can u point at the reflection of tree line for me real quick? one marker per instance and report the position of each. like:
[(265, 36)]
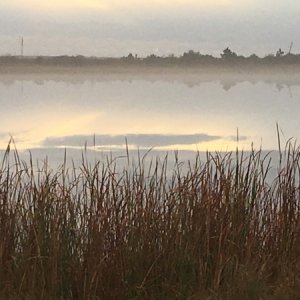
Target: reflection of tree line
[(189, 58), (226, 84)]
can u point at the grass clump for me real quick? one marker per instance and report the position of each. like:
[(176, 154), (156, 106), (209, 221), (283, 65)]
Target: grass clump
[(219, 230)]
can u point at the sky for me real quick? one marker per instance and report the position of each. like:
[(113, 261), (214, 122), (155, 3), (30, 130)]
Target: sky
[(116, 28)]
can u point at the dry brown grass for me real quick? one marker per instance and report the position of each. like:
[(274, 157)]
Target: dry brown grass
[(220, 230)]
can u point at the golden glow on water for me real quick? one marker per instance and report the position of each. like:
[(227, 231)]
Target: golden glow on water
[(69, 122), (36, 126), (32, 127)]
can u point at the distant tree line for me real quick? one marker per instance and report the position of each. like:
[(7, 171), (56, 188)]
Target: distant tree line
[(189, 58)]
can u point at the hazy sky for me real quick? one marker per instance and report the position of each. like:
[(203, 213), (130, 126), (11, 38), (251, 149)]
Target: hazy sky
[(115, 28)]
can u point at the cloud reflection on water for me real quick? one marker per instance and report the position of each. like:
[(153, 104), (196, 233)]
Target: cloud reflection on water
[(137, 140)]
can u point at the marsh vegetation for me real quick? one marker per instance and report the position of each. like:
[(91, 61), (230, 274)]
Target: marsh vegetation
[(220, 229)]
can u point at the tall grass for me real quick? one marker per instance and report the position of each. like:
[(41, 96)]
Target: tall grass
[(218, 230)]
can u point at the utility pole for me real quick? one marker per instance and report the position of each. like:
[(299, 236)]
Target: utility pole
[(291, 46), (22, 46)]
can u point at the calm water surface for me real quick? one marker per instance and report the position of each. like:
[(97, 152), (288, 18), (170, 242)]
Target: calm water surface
[(47, 114)]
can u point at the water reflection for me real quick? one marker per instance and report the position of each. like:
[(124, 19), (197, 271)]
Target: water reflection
[(227, 80), (140, 141), (166, 111)]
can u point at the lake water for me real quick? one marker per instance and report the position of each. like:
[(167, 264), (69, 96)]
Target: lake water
[(187, 113)]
